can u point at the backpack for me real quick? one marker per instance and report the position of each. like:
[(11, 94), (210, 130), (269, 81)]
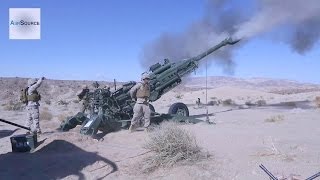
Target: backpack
[(24, 95)]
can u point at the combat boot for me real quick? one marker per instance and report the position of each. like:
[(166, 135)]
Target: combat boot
[(147, 129), (131, 129), (38, 131)]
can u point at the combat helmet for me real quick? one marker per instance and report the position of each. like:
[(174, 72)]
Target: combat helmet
[(145, 75), (96, 84)]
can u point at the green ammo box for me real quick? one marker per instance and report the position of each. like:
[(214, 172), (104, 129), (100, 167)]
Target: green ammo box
[(23, 142)]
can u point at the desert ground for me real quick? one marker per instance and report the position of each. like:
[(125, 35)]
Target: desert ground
[(256, 121)]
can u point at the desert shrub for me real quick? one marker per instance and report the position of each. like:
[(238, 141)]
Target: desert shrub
[(212, 103), (261, 102), (14, 106), (48, 102), (45, 115), (317, 101), (249, 103), (290, 103), (227, 102), (170, 144), (179, 96), (63, 102), (275, 118)]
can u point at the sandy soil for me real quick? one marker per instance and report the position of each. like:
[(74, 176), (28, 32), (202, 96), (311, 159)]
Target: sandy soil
[(283, 137)]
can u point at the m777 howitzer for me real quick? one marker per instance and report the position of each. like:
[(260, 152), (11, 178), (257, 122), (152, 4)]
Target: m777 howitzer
[(111, 111)]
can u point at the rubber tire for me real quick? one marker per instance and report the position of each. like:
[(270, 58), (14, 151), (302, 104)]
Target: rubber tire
[(174, 108), (152, 108)]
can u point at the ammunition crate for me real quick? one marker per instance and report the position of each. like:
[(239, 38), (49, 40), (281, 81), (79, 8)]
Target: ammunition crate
[(23, 142)]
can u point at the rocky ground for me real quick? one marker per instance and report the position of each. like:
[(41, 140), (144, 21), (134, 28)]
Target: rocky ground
[(277, 126)]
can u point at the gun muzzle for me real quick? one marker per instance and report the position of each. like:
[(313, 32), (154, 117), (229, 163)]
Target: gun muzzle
[(231, 41)]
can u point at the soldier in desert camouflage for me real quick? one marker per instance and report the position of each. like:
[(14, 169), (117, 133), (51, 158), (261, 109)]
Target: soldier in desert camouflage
[(33, 98), (83, 96), (140, 93)]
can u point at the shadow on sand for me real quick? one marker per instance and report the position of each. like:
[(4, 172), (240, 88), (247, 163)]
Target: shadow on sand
[(56, 160), (6, 133)]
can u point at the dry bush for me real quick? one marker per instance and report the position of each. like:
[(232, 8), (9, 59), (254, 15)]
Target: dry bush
[(14, 106), (261, 102), (213, 103), (170, 144), (179, 96), (249, 103), (48, 102), (45, 115), (228, 102), (317, 101), (63, 102), (290, 103), (276, 118)]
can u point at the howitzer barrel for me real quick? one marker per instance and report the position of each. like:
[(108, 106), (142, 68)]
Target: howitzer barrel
[(14, 124), (314, 176), (268, 172), (227, 41)]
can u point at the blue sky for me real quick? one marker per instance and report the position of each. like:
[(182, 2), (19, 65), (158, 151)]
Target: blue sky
[(102, 40)]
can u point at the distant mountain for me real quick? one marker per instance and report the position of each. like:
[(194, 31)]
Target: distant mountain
[(59, 89), (281, 86)]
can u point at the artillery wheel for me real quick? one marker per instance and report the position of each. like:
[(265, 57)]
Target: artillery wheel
[(179, 109)]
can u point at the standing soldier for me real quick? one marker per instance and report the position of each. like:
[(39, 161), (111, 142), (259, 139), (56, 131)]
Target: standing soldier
[(198, 102), (33, 98), (83, 95), (96, 84), (106, 87), (141, 93)]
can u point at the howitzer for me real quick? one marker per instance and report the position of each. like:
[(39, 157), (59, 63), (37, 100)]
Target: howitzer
[(268, 172), (111, 111)]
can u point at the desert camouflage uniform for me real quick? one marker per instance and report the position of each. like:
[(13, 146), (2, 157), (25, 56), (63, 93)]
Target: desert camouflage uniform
[(33, 106), (83, 96), (141, 91)]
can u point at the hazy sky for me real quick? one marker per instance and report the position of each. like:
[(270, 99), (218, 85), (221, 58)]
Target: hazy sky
[(102, 40)]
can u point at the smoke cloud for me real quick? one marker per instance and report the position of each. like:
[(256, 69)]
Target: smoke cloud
[(222, 18), (300, 18)]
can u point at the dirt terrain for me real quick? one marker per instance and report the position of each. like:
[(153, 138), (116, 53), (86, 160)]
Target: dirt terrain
[(257, 121)]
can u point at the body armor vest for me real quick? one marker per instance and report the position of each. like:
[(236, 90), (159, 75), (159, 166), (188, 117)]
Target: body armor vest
[(35, 97), (143, 91)]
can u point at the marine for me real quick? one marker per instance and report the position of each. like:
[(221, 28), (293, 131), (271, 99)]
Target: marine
[(83, 96), (33, 98), (96, 85), (140, 93)]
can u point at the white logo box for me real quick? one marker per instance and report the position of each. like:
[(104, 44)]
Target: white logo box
[(24, 23)]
